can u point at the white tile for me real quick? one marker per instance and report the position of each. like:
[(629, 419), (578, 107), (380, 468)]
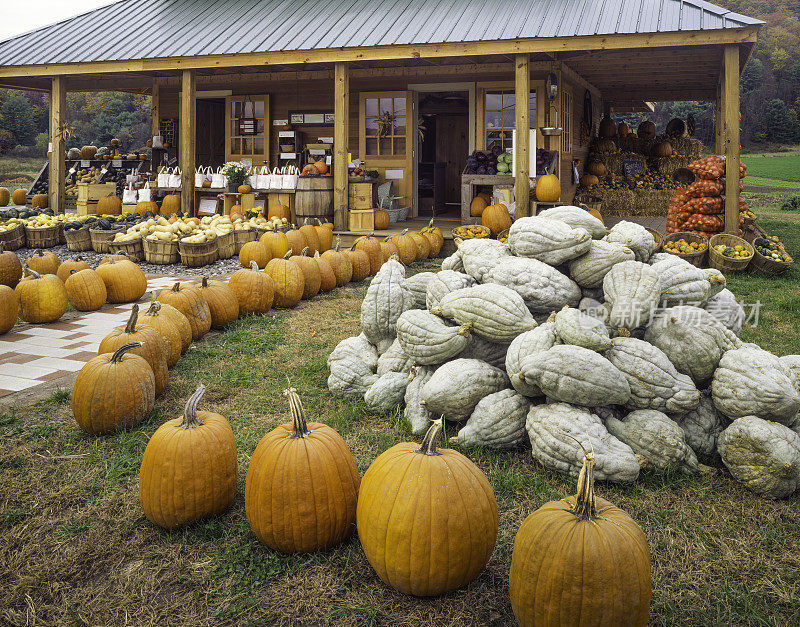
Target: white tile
[(52, 342), (24, 371), (71, 365), (43, 351), (44, 332), (15, 384)]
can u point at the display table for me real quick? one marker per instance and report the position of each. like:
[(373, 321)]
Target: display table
[(470, 181)]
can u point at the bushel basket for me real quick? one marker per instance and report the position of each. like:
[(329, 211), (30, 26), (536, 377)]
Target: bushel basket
[(131, 248), (723, 263), (101, 239), (42, 238), (696, 258), (226, 246), (242, 236), (765, 264), (160, 252), (13, 239), (199, 254), (78, 240)]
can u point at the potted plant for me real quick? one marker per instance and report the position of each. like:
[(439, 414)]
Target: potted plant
[(235, 173)]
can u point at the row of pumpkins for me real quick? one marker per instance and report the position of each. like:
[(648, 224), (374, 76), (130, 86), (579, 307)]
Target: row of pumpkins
[(19, 196)]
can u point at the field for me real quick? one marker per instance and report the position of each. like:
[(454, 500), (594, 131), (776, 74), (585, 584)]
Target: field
[(773, 169), (19, 172), (76, 548)]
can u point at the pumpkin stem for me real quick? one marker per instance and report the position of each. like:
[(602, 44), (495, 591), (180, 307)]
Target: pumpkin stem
[(117, 356), (584, 500), (130, 328), (288, 254), (253, 265), (304, 252), (32, 272), (338, 243), (428, 446), (299, 424), (176, 287), (155, 307), (190, 419), (204, 282)]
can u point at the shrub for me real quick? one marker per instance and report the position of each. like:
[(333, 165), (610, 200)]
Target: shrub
[(791, 204)]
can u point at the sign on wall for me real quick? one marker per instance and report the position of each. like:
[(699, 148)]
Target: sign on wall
[(247, 126), (311, 118)]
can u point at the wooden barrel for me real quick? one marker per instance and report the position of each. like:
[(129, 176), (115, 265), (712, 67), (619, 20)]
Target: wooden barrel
[(314, 198)]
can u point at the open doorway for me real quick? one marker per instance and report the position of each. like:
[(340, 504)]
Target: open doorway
[(210, 133), (443, 126)]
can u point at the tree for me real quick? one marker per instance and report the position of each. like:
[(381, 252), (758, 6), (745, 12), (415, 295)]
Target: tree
[(780, 122), (753, 75), (18, 118)]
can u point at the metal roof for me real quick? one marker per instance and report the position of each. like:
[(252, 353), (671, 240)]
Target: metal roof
[(142, 29)]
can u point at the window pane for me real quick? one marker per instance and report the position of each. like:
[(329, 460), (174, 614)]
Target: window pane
[(248, 109), (493, 119), (260, 127), (259, 108), (236, 146), (237, 109), (399, 106), (400, 126), (258, 145), (493, 102), (385, 146), (371, 126), (510, 119), (509, 100), (399, 146), (247, 146), (371, 146), (386, 105), (371, 105)]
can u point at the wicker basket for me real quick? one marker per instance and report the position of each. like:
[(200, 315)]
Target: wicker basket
[(196, 255), (78, 240), (13, 239), (485, 230), (659, 239), (723, 263), (42, 238), (503, 235), (101, 239), (226, 246), (241, 237), (765, 264), (696, 259), (133, 249), (160, 252), (62, 238), (397, 215)]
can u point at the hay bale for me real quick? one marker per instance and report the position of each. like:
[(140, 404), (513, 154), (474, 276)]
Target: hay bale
[(669, 165), (618, 202), (652, 202), (614, 162)]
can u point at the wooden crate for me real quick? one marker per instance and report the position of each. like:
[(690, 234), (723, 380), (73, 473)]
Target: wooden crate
[(92, 192), (362, 196), (86, 208), (361, 220), (131, 208), (247, 201)]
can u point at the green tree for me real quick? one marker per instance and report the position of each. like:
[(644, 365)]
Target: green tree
[(18, 118), (780, 122), (753, 75), (42, 142)]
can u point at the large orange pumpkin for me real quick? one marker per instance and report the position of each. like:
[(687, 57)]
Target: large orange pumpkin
[(170, 205), (325, 234), (321, 167), (435, 237), (381, 220), (44, 262), (340, 263), (359, 262), (312, 279), (109, 205), (477, 206), (257, 252), (309, 232), (172, 324), (388, 248), (302, 485), (125, 281), (85, 289), (327, 277), (296, 239), (254, 290), (69, 266), (371, 246), (288, 281), (222, 302), (187, 299), (548, 188), (279, 211), (10, 268), (407, 247), (42, 297), (9, 307)]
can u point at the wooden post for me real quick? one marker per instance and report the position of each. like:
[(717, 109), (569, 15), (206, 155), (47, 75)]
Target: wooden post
[(522, 186), (341, 115), (155, 107), (732, 150), (719, 119), (58, 111), (188, 134)]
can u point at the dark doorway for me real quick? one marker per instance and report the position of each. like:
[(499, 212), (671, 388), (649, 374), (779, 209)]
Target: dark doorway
[(210, 139), (444, 144)]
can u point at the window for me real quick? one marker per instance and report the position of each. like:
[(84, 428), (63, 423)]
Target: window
[(501, 111), (566, 121), (385, 127), (247, 128)]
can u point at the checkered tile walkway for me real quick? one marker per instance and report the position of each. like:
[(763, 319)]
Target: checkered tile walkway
[(40, 353)]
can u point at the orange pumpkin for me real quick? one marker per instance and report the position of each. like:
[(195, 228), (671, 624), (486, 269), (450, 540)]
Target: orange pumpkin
[(244, 189), (279, 211), (340, 263), (309, 170), (381, 220), (321, 167), (309, 232), (109, 205), (288, 281), (296, 239), (143, 207), (478, 204), (257, 252), (254, 290), (388, 248), (327, 276), (325, 235), (423, 245), (359, 260), (496, 218), (407, 247), (277, 243), (312, 280), (372, 247)]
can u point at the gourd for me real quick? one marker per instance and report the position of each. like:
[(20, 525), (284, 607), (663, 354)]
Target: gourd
[(276, 243), (575, 327), (792, 364), (387, 393), (681, 282), (189, 467), (590, 269), (43, 262), (371, 246), (459, 518), (633, 236), (479, 256), (255, 252), (170, 205), (548, 240), (85, 290), (654, 381), (701, 426), (541, 338), (573, 374), (10, 268), (42, 298), (152, 346), (288, 281), (427, 339), (497, 422), (417, 416), (350, 376), (716, 280), (302, 485), (763, 455), (394, 359), (753, 382), (548, 188), (495, 312), (326, 275), (492, 353), (577, 218), (457, 386), (253, 290), (595, 309), (542, 287), (417, 284), (723, 307), (444, 282), (557, 432), (341, 265), (632, 290), (9, 306), (692, 339), (187, 299), (124, 377), (564, 563), (385, 300), (358, 346), (223, 302), (453, 262), (69, 266), (496, 218), (312, 279), (125, 281), (170, 322), (18, 196), (656, 439)]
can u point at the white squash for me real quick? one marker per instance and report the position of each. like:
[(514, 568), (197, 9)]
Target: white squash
[(635, 237), (417, 284), (575, 327), (358, 346), (350, 376), (497, 422), (394, 359), (453, 262), (443, 283), (702, 426), (723, 307), (492, 353), (577, 218), (480, 255), (427, 339), (539, 339), (457, 386), (681, 282), (385, 300), (550, 241), (387, 393), (542, 287), (632, 291), (418, 418), (717, 281), (589, 270)]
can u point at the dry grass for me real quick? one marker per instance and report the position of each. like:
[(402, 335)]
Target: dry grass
[(77, 550)]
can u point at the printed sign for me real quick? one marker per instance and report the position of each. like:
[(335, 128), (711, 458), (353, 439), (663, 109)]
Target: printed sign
[(632, 167)]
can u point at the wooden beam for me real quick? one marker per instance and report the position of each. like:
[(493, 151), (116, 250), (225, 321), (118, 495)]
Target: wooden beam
[(619, 41), (522, 184), (341, 114), (732, 149), (188, 121), (719, 119), (58, 120), (155, 107)]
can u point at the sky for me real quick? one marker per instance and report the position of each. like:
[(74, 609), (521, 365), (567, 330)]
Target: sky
[(20, 16)]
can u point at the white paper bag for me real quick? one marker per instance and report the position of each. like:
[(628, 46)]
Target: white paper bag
[(275, 180), (218, 179), (199, 176), (290, 177), (144, 193), (262, 178), (129, 195), (158, 141), (175, 178), (163, 177)]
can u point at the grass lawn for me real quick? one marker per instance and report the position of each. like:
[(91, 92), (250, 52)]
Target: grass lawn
[(76, 548), (16, 172), (781, 166)]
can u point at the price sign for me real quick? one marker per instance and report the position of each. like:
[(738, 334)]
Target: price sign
[(85, 163), (632, 167), (117, 163), (247, 126)]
